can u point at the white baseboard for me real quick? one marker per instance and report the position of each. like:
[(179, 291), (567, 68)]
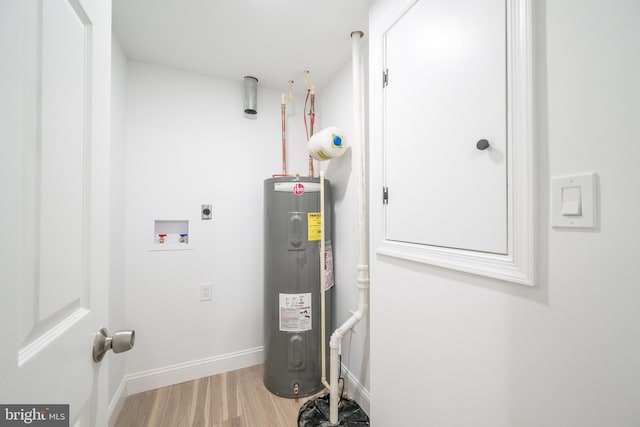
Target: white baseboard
[(356, 390), (176, 374)]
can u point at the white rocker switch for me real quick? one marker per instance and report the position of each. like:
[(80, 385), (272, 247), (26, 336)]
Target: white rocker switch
[(574, 201), (571, 201)]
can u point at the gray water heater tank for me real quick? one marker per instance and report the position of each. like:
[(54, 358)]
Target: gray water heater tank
[(292, 332)]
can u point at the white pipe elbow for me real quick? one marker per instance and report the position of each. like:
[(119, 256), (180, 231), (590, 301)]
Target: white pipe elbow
[(346, 326)]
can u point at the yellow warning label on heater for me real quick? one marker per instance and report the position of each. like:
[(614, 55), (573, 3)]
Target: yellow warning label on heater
[(313, 225)]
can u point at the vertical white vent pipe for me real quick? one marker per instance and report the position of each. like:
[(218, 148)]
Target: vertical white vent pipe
[(363, 259)]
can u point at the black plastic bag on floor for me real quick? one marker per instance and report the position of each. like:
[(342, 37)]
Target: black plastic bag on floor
[(315, 413)]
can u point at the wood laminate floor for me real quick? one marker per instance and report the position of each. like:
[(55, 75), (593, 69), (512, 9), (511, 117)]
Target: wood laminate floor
[(232, 399)]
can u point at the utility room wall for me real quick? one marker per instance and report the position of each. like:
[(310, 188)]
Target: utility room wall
[(454, 349), (189, 143)]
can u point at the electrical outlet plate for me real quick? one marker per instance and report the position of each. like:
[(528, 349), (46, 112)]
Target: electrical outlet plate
[(206, 292), (206, 212)]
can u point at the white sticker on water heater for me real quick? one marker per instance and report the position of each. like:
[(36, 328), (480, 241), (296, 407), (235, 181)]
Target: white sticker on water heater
[(328, 267), (295, 312)]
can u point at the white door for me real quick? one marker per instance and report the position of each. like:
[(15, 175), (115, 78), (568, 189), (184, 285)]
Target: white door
[(445, 92), (54, 134)]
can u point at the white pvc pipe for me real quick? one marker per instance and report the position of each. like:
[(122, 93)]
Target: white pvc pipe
[(363, 258)]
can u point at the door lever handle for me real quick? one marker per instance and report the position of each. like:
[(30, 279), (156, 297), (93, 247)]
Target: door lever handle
[(119, 342)]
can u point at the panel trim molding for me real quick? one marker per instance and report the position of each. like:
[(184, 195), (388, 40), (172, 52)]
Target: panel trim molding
[(518, 265), (32, 349)]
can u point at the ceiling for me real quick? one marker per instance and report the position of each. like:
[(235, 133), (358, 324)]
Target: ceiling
[(273, 40)]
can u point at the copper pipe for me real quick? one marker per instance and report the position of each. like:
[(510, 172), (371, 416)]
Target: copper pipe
[(312, 114), (304, 116)]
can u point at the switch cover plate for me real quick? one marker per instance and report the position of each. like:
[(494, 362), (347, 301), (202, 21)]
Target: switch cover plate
[(573, 201)]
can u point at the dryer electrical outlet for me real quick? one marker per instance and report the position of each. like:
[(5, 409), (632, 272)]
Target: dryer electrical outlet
[(205, 210)]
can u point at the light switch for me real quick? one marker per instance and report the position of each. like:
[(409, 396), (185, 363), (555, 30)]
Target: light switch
[(573, 201)]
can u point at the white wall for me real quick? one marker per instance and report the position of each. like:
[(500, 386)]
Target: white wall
[(335, 108), (116, 215), (451, 349), (188, 143)]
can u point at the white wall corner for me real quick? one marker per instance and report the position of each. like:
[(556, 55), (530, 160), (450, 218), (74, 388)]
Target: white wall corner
[(189, 371), (117, 402), (356, 390)]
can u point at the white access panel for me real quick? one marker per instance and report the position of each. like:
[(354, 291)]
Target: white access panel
[(445, 91)]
